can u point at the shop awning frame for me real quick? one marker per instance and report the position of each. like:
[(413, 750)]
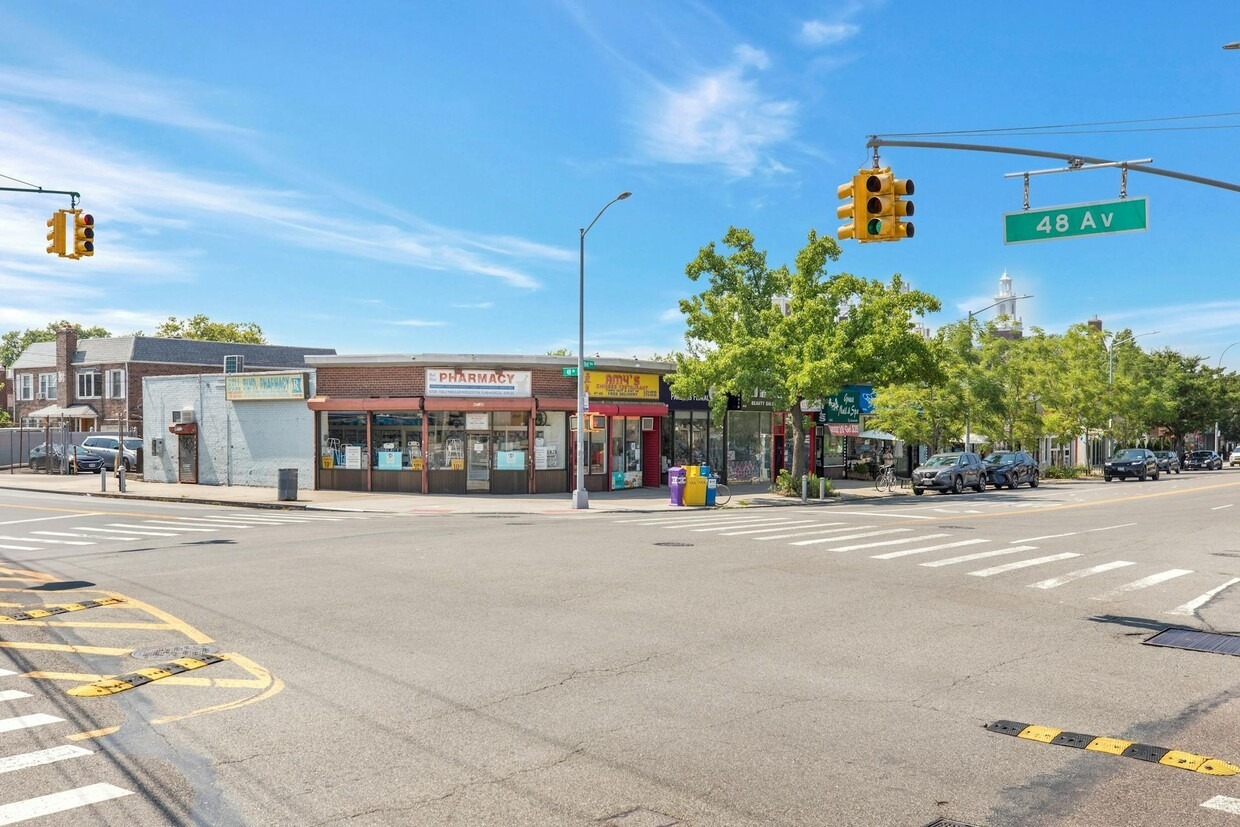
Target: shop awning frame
[(334, 403)]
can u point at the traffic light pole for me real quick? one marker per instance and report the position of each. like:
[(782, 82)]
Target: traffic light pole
[(876, 141), (74, 197)]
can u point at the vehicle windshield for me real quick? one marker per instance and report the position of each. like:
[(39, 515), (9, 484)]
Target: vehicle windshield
[(1000, 459), (133, 443), (941, 460), (1131, 453), (1200, 454), (1162, 454)]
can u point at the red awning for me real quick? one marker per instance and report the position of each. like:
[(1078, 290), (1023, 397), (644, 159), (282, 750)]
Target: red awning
[(627, 409), (330, 403), (549, 404), (449, 403)]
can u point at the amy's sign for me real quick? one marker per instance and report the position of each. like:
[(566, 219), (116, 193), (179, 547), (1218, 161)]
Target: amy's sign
[(243, 386), (607, 385), (479, 382)]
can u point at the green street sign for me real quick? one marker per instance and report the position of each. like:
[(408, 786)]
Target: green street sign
[(1128, 215), (589, 363), (569, 371)]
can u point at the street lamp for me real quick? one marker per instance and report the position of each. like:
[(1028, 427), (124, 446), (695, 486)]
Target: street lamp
[(580, 498), (1235, 45), (1111, 377), (968, 408)]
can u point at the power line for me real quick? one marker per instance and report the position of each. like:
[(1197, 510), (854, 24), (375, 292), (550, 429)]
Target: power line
[(1031, 129)]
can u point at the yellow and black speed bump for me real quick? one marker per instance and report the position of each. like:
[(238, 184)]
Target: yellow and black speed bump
[(141, 677), (1116, 746), (48, 611)]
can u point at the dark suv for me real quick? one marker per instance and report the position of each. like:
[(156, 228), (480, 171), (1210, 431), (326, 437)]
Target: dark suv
[(1168, 461), (1131, 462), (1011, 468), (950, 472), (1203, 461)]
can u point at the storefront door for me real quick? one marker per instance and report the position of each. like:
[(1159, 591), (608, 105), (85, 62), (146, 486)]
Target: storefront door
[(478, 462), (187, 458)]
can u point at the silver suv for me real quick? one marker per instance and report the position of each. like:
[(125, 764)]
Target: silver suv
[(950, 472), (108, 447)]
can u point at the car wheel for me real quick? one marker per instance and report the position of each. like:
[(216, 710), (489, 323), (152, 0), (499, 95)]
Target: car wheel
[(1033, 481), (980, 487), (958, 485), (1105, 478), (917, 492), (1155, 477), (1012, 483), (33, 467)]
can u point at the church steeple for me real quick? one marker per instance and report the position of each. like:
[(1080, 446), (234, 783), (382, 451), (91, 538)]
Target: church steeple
[(1008, 324)]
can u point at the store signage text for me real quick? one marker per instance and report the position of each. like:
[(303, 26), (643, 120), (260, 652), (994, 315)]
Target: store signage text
[(607, 385), (493, 383), (240, 387), (843, 407), (844, 430)]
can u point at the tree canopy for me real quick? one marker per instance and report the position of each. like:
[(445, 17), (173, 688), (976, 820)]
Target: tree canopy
[(203, 328), (13, 343)]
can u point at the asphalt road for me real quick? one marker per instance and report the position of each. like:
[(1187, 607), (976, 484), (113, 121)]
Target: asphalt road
[(804, 665)]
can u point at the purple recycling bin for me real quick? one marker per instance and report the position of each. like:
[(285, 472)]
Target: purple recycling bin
[(676, 482)]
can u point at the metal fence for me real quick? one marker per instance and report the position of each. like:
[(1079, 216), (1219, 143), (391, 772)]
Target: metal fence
[(15, 443)]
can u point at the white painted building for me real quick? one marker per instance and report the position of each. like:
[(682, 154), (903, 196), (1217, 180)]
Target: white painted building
[(230, 429)]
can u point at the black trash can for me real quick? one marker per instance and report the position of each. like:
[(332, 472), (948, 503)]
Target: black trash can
[(286, 486)]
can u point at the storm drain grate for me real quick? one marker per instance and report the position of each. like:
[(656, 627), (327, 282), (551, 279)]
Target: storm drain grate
[(947, 822), (673, 544), (189, 650), (1197, 641)]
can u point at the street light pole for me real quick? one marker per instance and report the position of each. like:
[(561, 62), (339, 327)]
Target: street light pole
[(1224, 353), (1111, 379), (581, 499), (968, 407)]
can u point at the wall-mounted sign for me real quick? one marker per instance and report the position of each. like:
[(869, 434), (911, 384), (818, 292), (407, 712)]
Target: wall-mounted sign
[(844, 406), (464, 382), (477, 422), (844, 430), (865, 397), (602, 384), (240, 387), (509, 460), (353, 457)]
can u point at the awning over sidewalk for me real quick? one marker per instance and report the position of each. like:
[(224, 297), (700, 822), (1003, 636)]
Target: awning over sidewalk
[(879, 435), (71, 412)]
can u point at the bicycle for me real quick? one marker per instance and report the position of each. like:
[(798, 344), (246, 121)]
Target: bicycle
[(722, 494), (886, 480)]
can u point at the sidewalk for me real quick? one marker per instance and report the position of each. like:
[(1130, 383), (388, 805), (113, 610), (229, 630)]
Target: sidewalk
[(639, 499)]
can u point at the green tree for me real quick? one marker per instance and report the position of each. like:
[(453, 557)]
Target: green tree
[(560, 351), (15, 342), (1191, 396), (202, 328), (837, 330)]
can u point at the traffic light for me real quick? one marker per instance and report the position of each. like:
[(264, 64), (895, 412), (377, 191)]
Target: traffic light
[(848, 210), (879, 205), (83, 234), (901, 209), (596, 422), (58, 233)]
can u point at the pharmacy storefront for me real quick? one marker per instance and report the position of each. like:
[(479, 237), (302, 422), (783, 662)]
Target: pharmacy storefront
[(478, 424)]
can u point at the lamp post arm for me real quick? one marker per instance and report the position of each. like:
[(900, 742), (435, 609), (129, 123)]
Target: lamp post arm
[(600, 213)]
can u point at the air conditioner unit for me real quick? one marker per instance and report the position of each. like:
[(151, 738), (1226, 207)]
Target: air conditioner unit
[(187, 415), (40, 397), (234, 364)]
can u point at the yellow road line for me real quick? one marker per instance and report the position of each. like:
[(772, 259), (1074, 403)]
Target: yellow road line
[(175, 680), (60, 647), (94, 733), (4, 605), (274, 687), (98, 624), (175, 622), (30, 575), (1066, 506)]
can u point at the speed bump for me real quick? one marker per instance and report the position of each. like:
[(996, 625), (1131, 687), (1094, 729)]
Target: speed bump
[(1116, 746), (48, 611), (141, 677)]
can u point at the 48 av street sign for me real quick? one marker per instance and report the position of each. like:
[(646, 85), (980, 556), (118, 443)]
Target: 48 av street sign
[(1128, 215)]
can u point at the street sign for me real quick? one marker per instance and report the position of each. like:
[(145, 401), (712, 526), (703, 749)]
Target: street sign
[(569, 371), (589, 363), (1128, 215)]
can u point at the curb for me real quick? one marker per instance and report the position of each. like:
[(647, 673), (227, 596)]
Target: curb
[(153, 498)]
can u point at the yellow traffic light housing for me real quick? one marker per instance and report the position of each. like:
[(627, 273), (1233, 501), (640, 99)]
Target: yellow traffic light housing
[(83, 234), (875, 206), (879, 205), (58, 232), (849, 209), (901, 209)]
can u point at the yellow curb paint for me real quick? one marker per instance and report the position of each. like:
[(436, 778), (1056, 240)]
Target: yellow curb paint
[(1115, 746), (1044, 734)]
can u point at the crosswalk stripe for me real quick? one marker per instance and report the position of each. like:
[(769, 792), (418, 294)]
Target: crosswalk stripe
[(1046, 537), (26, 722), (818, 540), (1056, 582), (1144, 583), (814, 531), (59, 802), (4, 673), (800, 523), (1196, 603), (673, 519), (982, 555), (1224, 804), (144, 530), (12, 694), (60, 533), (46, 540), (1024, 564), (768, 523), (891, 555), (180, 527), (88, 531), (12, 763), (203, 521), (19, 548), (301, 517), (898, 542)]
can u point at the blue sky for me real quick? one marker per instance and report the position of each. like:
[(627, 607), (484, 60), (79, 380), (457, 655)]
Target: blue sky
[(411, 177)]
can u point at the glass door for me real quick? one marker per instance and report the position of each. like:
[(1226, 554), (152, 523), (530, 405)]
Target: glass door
[(478, 462)]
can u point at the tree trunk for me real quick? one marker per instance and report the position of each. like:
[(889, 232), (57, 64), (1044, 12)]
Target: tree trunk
[(798, 441)]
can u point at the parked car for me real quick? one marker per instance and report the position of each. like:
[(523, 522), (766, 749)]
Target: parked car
[(950, 472), (1011, 468), (1131, 462), (80, 459), (1235, 457), (1168, 461), (1203, 461), (109, 446)]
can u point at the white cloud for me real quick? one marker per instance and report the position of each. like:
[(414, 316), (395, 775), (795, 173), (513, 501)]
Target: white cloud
[(672, 314), (418, 323), (477, 306), (819, 33), (721, 118)]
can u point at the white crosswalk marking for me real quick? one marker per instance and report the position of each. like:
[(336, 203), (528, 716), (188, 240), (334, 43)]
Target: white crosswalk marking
[(58, 802), (12, 694), (46, 540), (1024, 564), (1056, 582), (1144, 583), (1196, 603), (898, 542), (892, 555), (201, 522), (145, 531), (60, 533), (849, 537), (19, 548), (13, 763), (27, 721), (180, 527), (1045, 537), (4, 673), (89, 531), (766, 529), (1224, 804), (981, 555), (776, 523), (673, 519), (814, 531)]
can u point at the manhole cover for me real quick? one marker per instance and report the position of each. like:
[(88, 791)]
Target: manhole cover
[(1197, 641), (671, 544), (189, 650)]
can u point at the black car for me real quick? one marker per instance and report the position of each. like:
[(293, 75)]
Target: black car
[(80, 459), (1203, 461), (950, 472), (1011, 468), (1131, 462), (1168, 461)]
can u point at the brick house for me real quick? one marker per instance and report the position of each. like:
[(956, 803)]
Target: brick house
[(96, 384)]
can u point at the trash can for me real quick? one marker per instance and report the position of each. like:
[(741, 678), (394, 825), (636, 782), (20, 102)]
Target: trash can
[(705, 471), (692, 471), (712, 484), (676, 482), (286, 486), (695, 490)]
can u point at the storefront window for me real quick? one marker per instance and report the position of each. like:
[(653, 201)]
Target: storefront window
[(596, 449), (749, 446), (833, 450), (512, 439), (396, 441), (550, 452), (626, 452), (344, 439), (446, 449)]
